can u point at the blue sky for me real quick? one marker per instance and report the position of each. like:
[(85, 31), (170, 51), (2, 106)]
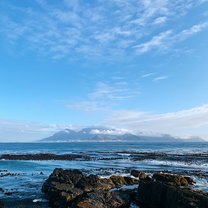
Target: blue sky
[(138, 65)]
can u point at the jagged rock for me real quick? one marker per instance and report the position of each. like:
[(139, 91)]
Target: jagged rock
[(100, 199), (131, 181), (164, 190), (173, 179), (118, 180), (71, 188)]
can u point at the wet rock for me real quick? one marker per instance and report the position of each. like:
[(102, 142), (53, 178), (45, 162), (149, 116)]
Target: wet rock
[(139, 174), (8, 174), (161, 193), (131, 181), (71, 188), (190, 180), (114, 199), (173, 179), (118, 180), (44, 157)]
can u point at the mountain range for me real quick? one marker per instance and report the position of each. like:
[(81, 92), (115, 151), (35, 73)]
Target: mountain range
[(102, 134)]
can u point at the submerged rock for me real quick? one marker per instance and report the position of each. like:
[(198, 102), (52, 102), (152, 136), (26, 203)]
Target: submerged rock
[(168, 190), (72, 188)]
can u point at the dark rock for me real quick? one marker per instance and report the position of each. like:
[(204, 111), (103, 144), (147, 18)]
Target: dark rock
[(161, 193), (8, 174), (1, 190), (139, 174), (173, 179), (131, 181), (44, 157), (114, 199), (71, 188), (1, 204), (118, 180), (190, 180)]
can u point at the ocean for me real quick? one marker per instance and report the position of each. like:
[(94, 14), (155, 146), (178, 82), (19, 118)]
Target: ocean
[(27, 176)]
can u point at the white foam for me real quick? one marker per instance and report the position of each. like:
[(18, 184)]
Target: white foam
[(39, 200)]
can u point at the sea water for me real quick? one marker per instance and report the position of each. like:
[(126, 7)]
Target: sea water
[(107, 158)]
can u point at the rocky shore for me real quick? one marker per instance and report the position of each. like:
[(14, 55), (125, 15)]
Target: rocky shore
[(74, 189)]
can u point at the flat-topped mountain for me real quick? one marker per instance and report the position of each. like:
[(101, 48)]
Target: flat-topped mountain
[(102, 134)]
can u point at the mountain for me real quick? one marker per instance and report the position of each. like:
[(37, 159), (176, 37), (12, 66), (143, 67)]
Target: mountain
[(102, 134)]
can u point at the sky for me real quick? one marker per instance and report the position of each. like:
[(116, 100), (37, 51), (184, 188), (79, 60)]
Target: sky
[(140, 65)]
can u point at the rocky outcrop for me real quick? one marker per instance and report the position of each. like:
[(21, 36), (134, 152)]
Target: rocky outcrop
[(43, 157), (72, 188), (170, 190)]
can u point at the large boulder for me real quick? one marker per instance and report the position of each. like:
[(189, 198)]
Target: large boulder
[(72, 188), (168, 190)]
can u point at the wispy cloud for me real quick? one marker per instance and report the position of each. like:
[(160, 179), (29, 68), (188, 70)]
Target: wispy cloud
[(99, 29), (158, 41), (106, 96), (190, 122), (160, 20), (165, 40), (160, 78), (191, 31), (148, 75)]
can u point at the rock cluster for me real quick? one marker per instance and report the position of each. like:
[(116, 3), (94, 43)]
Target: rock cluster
[(72, 188), (170, 190)]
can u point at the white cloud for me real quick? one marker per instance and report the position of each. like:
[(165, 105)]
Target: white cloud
[(190, 122), (193, 30), (98, 29), (160, 78), (158, 41), (148, 75), (165, 40), (160, 20), (110, 131)]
